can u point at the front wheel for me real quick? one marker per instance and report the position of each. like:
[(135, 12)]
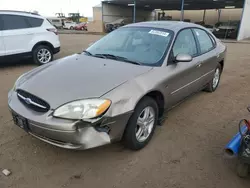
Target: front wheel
[(141, 125), (214, 83)]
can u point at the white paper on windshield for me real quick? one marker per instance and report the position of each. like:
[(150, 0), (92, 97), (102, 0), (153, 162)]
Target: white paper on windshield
[(160, 33)]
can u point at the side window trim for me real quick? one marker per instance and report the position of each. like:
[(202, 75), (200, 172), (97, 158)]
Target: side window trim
[(27, 22), (214, 44), (213, 40), (197, 43)]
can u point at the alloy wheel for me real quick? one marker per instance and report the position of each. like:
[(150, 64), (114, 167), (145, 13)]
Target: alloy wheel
[(216, 78), (145, 124), (44, 56)]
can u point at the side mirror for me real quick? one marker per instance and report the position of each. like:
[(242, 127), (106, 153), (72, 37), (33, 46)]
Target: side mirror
[(183, 58)]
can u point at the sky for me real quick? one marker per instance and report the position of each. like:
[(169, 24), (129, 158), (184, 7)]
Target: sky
[(50, 7)]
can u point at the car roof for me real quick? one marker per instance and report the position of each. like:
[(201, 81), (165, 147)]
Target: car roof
[(20, 13), (171, 25)]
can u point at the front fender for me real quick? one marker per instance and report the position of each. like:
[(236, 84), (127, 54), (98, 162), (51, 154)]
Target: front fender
[(124, 98)]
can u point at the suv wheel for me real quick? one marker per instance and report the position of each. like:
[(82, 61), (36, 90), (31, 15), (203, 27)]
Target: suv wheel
[(42, 55), (141, 125)]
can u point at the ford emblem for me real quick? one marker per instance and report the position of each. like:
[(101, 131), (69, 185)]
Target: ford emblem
[(28, 100)]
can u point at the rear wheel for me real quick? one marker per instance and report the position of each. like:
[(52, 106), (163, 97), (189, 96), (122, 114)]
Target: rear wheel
[(71, 28), (42, 54), (141, 125), (214, 83)]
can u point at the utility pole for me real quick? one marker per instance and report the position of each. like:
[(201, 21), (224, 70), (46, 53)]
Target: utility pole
[(182, 10), (134, 16)]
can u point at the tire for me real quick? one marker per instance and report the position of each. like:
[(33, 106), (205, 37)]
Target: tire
[(211, 86), (130, 139), (242, 170), (37, 53), (71, 28)]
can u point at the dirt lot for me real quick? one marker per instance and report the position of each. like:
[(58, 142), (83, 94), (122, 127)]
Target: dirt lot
[(186, 152)]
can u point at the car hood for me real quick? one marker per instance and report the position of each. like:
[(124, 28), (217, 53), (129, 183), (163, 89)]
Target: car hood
[(78, 77)]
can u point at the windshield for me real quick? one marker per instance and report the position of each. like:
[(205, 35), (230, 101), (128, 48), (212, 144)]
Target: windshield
[(147, 46)]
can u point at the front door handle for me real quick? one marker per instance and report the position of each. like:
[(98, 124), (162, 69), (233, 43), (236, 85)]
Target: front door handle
[(199, 65)]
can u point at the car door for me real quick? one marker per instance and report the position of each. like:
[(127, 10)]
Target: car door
[(183, 76), (16, 34), (208, 55)]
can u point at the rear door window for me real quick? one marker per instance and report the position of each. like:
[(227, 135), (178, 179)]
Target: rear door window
[(34, 22), (204, 40), (12, 22)]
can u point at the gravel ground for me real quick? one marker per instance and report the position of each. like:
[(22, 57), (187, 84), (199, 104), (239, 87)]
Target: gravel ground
[(186, 152)]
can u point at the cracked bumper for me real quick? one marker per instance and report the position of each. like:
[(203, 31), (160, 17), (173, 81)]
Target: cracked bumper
[(69, 134), (84, 138)]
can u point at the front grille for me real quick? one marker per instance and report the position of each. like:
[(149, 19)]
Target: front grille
[(33, 102)]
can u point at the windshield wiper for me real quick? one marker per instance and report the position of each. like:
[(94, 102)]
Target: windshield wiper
[(118, 58), (87, 52)]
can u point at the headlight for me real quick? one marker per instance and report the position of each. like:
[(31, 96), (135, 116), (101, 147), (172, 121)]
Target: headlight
[(83, 109)]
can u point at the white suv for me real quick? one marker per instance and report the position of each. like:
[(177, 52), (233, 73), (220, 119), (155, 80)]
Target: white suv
[(24, 34)]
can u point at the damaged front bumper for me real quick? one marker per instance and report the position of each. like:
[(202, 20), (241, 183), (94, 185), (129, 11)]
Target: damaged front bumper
[(69, 134), (84, 138)]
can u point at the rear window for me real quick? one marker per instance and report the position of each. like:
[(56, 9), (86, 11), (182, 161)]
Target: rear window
[(35, 22)]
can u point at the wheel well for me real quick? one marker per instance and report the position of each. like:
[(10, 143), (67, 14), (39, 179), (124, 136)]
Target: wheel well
[(45, 44), (222, 64), (159, 98)]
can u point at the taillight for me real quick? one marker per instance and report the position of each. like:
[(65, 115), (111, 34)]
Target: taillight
[(53, 30)]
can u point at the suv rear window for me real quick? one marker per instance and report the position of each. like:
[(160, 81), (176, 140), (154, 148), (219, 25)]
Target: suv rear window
[(34, 22)]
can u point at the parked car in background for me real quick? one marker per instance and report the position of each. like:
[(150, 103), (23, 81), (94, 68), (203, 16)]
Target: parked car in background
[(56, 22), (25, 35), (69, 25), (209, 27), (120, 87), (109, 27), (227, 29), (81, 26)]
